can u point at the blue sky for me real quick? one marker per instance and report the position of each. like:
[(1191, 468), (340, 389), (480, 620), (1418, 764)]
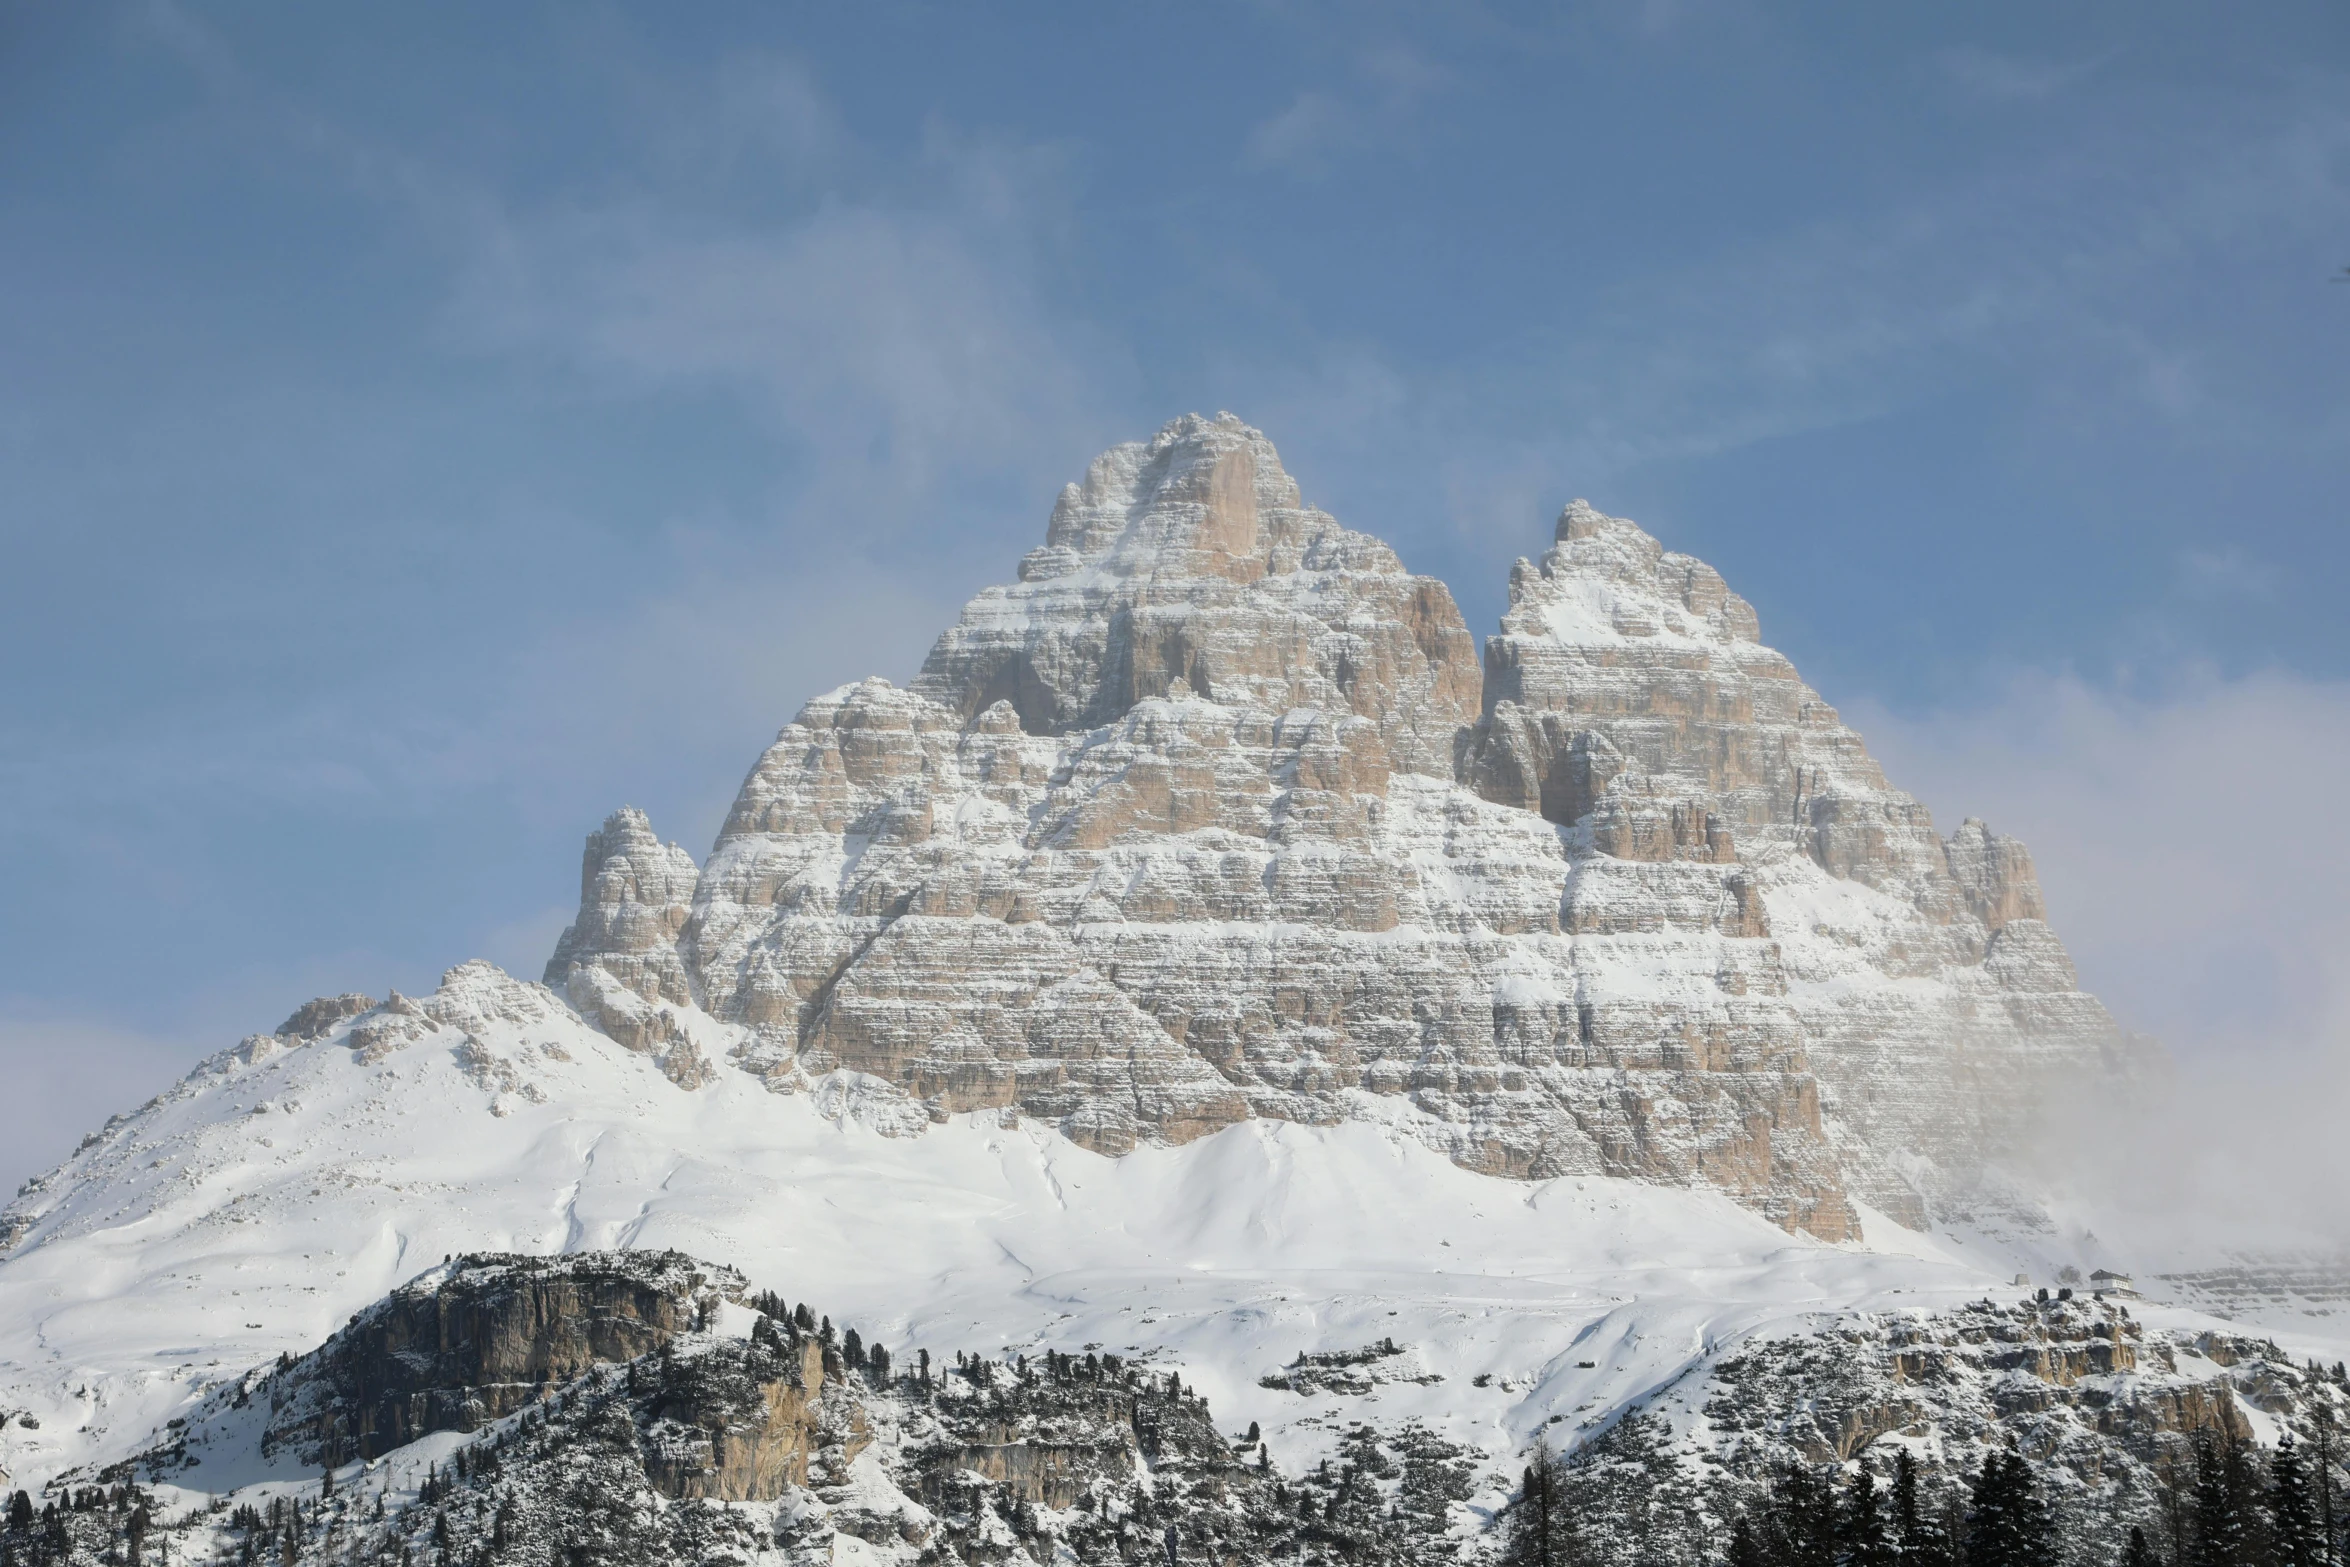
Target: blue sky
[(425, 428)]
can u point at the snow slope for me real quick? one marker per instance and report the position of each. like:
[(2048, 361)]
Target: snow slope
[(282, 1186)]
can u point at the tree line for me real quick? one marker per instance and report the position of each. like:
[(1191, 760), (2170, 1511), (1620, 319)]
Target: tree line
[(1623, 1500)]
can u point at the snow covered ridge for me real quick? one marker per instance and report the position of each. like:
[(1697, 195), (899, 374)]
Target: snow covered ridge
[(650, 1408)]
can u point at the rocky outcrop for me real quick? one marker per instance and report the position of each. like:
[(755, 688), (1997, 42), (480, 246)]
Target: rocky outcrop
[(480, 1337), (316, 1018), (2111, 1412), (619, 962), (1212, 815), (793, 1444), (740, 1423)]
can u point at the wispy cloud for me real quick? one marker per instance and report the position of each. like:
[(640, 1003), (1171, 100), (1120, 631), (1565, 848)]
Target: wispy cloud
[(2227, 573), (1378, 102), (2194, 866), (65, 1076), (2064, 267), (2007, 77), (883, 326), (2180, 836)]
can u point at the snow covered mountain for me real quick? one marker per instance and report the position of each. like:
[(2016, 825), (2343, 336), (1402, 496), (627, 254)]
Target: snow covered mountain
[(1212, 816), (1206, 957)]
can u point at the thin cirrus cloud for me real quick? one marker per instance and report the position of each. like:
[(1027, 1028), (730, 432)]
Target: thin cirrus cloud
[(879, 329), (2003, 76), (1843, 319), (1388, 89)]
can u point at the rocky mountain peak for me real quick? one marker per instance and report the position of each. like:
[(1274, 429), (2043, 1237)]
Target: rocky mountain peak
[(1204, 497), (1213, 815), (1191, 563)]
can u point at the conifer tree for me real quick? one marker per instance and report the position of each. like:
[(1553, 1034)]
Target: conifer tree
[(2139, 1553), (1860, 1525), (1908, 1522), (2328, 1530), (2009, 1526), (2223, 1532), (1802, 1530), (2294, 1531), (1535, 1520)]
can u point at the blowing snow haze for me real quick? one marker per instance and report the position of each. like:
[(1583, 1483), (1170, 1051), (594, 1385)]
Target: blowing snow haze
[(1311, 1004)]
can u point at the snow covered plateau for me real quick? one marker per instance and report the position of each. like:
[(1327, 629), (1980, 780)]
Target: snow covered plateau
[(1211, 960)]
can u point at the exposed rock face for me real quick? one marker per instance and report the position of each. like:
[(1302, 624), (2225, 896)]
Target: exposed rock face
[(313, 1019), (480, 1337), (1211, 815), (2106, 1411), (740, 1423), (619, 961), (1629, 688), (809, 1454), (1194, 560)]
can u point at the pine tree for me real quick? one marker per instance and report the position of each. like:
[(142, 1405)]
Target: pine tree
[(2223, 1532), (20, 1511), (1908, 1522), (1745, 1549), (852, 1350), (2294, 1530), (1535, 1519), (1808, 1505), (2139, 1553), (2009, 1526), (2325, 1484), (1860, 1525)]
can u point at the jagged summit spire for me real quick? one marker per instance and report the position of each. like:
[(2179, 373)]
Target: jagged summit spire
[(1194, 558), (1203, 496)]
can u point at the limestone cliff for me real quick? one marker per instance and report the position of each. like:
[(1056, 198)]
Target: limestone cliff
[(479, 1338), (1213, 814)]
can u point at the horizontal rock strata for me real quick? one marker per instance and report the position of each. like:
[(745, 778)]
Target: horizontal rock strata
[(1216, 813)]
